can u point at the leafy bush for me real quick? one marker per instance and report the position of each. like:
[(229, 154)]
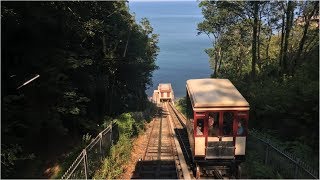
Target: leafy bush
[(10, 155), (181, 105), (126, 124), (79, 83), (254, 167), (66, 161), (120, 153), (288, 106)]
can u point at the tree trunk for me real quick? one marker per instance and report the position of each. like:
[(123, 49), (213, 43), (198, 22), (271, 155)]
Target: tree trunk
[(269, 37), (216, 60), (289, 20), (281, 44), (104, 50), (258, 39), (268, 46), (242, 55), (305, 31), (254, 39), (220, 62)]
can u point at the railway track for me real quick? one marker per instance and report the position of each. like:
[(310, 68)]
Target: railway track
[(168, 154), (161, 158), (182, 135)]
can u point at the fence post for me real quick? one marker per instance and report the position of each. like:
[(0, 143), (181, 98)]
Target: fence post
[(267, 154), (100, 143), (85, 161), (111, 134), (296, 169)]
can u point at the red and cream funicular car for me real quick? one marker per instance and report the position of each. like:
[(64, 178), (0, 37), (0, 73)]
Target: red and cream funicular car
[(217, 123)]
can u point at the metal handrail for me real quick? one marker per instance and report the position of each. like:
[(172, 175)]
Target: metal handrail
[(73, 166), (254, 133), (82, 157)]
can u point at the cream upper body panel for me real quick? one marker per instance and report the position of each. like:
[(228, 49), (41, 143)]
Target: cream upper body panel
[(215, 93), (165, 87)]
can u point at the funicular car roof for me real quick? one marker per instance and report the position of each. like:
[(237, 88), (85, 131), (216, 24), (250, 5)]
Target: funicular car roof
[(216, 94), (165, 86)]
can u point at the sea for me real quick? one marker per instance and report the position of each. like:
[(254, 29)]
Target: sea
[(182, 54)]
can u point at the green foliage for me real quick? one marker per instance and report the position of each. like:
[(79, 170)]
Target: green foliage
[(106, 122), (284, 95), (130, 124), (10, 155), (255, 168), (120, 154), (291, 104), (181, 105), (93, 58), (66, 161), (126, 124), (303, 151), (150, 112)]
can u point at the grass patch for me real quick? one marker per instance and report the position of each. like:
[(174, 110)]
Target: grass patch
[(181, 105), (130, 125), (119, 155), (254, 168), (64, 162)]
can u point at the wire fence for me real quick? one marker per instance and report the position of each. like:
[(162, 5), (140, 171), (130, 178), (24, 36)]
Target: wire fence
[(91, 157), (283, 162)]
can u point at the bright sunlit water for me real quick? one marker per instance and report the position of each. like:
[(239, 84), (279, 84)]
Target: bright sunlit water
[(181, 55)]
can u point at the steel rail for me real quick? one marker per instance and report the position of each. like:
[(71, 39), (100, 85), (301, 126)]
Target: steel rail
[(174, 151), (178, 133), (159, 150), (146, 151), (184, 172)]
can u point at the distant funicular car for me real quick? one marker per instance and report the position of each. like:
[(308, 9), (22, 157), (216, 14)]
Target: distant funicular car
[(217, 125), (164, 93)]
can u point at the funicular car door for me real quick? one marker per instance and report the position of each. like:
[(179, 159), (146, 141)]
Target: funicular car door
[(213, 137), (241, 131), (228, 121), (200, 134), (220, 141)]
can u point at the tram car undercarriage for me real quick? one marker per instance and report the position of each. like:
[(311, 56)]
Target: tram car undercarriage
[(217, 123)]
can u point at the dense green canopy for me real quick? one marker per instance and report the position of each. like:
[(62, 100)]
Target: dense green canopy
[(93, 60), (270, 51)]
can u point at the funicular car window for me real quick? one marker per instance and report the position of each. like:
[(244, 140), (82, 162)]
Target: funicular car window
[(227, 123), (242, 127), (200, 127), (213, 121)]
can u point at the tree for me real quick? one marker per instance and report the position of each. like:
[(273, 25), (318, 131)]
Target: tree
[(247, 34), (254, 37), (310, 10), (288, 25), (220, 15), (94, 60)]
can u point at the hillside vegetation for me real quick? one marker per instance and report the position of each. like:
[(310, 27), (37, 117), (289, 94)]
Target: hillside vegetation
[(94, 61), (270, 51)]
